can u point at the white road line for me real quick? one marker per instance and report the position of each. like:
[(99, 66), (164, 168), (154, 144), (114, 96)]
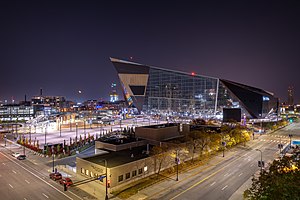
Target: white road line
[(10, 185), (240, 174), (27, 181), (14, 171), (226, 174), (45, 196), (25, 199), (224, 187), (37, 176), (251, 165), (212, 183)]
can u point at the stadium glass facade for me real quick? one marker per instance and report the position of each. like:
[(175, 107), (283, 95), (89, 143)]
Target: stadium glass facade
[(157, 90)]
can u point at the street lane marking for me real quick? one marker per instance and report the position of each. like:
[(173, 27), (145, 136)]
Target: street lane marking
[(36, 176), (45, 196), (240, 174), (27, 181), (226, 174), (212, 183), (224, 187), (14, 171), (25, 199), (10, 185), (251, 165)]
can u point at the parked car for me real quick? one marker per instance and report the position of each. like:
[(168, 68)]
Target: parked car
[(16, 154), (21, 157), (55, 176), (66, 181)]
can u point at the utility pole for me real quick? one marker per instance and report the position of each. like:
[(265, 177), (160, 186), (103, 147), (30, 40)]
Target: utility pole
[(177, 162), (76, 131), (106, 196), (84, 125), (45, 136), (52, 158), (261, 161), (290, 136)]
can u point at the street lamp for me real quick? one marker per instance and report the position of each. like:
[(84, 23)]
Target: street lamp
[(84, 125), (76, 131), (5, 140), (177, 162), (59, 128), (30, 134), (52, 158), (105, 163), (45, 134), (290, 136), (261, 163)]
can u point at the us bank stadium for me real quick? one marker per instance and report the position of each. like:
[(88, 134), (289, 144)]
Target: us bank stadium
[(155, 90)]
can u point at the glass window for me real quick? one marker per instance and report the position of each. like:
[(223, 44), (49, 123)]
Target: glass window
[(133, 173), (127, 175), (82, 170), (120, 178), (87, 172), (140, 170)]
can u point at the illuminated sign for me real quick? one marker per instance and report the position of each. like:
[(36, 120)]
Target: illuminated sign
[(266, 98)]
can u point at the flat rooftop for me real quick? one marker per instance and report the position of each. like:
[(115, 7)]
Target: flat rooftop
[(158, 126), (116, 158)]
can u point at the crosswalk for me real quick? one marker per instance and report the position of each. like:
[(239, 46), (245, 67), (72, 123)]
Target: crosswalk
[(279, 136), (283, 141)]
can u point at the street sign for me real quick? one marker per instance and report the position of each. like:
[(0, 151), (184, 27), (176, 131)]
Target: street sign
[(101, 177)]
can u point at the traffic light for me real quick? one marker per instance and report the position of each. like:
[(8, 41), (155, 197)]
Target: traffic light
[(261, 163), (108, 183)]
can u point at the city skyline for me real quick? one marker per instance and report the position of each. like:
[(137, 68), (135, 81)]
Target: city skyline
[(64, 47)]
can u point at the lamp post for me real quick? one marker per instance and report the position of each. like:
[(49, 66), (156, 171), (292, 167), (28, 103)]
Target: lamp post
[(84, 125), (70, 123), (59, 128), (30, 134), (76, 130), (106, 177), (45, 134), (223, 144), (177, 162), (52, 158), (290, 136), (261, 161), (106, 196), (4, 140)]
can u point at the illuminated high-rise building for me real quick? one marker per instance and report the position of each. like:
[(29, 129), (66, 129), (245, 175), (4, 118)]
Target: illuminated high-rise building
[(114, 95), (290, 100)]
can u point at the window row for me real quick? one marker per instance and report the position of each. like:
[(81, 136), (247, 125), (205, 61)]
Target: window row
[(132, 174)]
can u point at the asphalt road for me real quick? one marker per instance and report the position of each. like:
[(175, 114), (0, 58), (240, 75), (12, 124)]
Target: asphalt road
[(20, 181), (223, 179)]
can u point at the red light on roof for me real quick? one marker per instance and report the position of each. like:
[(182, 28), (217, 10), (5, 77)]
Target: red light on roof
[(193, 73)]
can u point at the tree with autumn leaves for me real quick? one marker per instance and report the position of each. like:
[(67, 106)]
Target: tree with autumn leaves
[(281, 181)]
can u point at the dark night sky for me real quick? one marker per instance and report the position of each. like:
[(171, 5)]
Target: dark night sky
[(64, 46)]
